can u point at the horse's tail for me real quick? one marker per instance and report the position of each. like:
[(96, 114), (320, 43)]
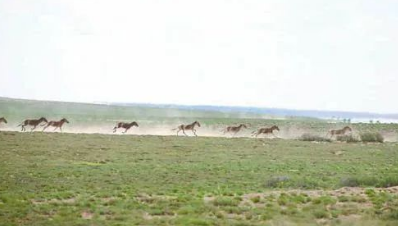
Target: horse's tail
[(20, 125), (178, 128)]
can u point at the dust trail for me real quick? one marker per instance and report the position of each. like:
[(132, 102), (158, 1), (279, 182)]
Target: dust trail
[(291, 132), (157, 130)]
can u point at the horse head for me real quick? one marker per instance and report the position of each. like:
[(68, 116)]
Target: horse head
[(347, 128), (197, 123), (275, 128)]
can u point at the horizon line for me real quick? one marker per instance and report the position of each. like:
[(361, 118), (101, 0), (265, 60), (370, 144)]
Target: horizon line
[(207, 105)]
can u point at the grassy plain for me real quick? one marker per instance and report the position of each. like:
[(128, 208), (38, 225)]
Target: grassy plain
[(102, 179), (91, 179)]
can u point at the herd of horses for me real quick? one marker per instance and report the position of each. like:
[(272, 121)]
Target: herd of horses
[(33, 123)]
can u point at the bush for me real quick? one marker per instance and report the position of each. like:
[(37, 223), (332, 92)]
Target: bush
[(350, 182), (225, 201), (389, 181), (347, 138), (310, 137), (372, 137), (321, 213), (383, 182), (275, 182)]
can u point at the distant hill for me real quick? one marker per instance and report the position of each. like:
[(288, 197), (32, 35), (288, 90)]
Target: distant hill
[(17, 105), (274, 111)]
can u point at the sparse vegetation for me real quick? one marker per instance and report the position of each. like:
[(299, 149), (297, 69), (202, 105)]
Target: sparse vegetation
[(82, 179), (152, 180), (347, 138), (358, 181), (372, 137), (277, 181), (316, 138)]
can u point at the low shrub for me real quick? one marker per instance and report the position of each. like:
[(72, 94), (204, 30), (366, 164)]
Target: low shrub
[(389, 181), (310, 137), (355, 181), (320, 213), (347, 138), (372, 137), (225, 201), (277, 181)]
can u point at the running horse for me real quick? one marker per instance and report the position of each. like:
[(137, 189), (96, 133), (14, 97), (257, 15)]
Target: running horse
[(124, 125), (266, 131), (188, 127), (234, 129), (56, 124), (338, 132), (2, 119), (32, 122)]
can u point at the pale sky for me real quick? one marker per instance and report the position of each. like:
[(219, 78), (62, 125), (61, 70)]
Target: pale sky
[(310, 54)]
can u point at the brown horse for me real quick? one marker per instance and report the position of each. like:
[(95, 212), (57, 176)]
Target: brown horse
[(56, 124), (338, 132), (2, 119), (32, 122), (266, 131), (234, 129), (188, 127), (124, 125)]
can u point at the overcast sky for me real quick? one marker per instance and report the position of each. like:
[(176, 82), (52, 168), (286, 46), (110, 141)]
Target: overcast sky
[(311, 54)]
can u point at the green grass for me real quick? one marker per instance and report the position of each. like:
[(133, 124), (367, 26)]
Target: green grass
[(82, 179)]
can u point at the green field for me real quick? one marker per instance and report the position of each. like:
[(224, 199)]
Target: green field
[(70, 179), (136, 179)]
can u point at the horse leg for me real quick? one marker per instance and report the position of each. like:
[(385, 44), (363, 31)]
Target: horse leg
[(114, 129), (45, 128), (126, 130), (194, 132), (22, 128), (184, 132), (60, 128), (34, 127)]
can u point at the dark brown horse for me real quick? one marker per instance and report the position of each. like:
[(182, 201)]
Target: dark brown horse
[(56, 124), (265, 131), (234, 129), (124, 125), (337, 132), (32, 122), (188, 127), (2, 119)]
